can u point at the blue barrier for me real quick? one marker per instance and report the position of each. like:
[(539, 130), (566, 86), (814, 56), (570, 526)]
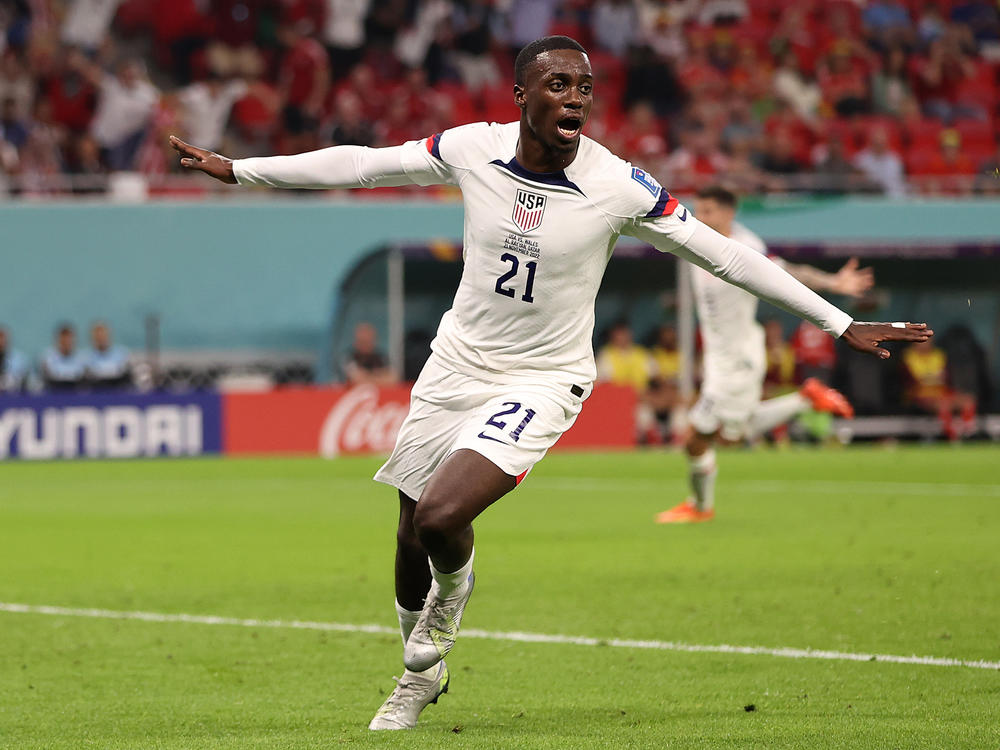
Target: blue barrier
[(112, 425)]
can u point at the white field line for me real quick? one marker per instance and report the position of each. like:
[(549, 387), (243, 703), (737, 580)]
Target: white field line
[(603, 484), (786, 653)]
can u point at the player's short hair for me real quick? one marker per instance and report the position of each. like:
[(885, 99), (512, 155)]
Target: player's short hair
[(533, 49), (719, 194)]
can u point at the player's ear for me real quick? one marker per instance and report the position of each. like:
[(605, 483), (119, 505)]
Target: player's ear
[(519, 96)]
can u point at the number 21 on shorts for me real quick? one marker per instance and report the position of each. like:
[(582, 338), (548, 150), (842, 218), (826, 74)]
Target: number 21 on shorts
[(501, 424)]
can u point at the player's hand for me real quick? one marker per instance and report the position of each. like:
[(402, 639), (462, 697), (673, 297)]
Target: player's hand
[(851, 280), (866, 337), (212, 164)]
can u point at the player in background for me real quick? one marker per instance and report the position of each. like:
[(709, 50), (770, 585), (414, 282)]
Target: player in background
[(729, 407), (512, 361)]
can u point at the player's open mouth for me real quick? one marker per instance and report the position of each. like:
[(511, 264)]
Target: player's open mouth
[(569, 127)]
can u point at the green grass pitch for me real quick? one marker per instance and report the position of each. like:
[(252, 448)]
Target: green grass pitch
[(858, 550)]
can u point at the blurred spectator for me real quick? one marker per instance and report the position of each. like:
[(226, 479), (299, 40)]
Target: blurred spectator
[(365, 364), (14, 368), (780, 159), (349, 126), (939, 77), (980, 16), (891, 83), (205, 108), (815, 355), (949, 169), (886, 22), (63, 367), (662, 393), (925, 368), (698, 159), (835, 174), (344, 33), (107, 364), (793, 85), (125, 104), (13, 128), (881, 165), (666, 357), (968, 369), (180, 30), (304, 78), (931, 25), (843, 79), (623, 362), (714, 12), (87, 23), (471, 53), (613, 24), (779, 377), (527, 20), (16, 83)]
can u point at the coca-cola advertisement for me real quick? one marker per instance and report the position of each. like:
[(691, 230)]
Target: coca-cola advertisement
[(364, 419)]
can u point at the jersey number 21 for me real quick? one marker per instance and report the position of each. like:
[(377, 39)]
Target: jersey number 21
[(529, 285)]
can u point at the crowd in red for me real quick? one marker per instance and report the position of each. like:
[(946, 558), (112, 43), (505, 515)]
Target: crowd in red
[(830, 96)]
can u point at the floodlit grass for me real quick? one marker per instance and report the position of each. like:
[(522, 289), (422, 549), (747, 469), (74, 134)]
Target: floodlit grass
[(861, 550)]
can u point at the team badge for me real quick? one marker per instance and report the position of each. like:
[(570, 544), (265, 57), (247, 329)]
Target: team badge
[(528, 210)]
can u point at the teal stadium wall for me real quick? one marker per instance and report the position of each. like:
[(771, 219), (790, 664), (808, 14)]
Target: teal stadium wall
[(264, 274)]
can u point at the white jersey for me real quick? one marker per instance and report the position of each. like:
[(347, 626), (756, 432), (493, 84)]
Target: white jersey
[(727, 315), (535, 245)]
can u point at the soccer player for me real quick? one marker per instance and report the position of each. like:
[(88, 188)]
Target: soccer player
[(729, 407), (512, 362)]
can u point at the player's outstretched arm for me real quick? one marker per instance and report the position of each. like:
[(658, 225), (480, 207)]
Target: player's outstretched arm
[(849, 280), (866, 337), (328, 168), (213, 164)]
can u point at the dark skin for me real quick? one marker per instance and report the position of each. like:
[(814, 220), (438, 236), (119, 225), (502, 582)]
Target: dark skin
[(554, 98)]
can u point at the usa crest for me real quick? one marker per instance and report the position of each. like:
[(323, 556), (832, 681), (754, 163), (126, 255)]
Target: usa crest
[(528, 210)]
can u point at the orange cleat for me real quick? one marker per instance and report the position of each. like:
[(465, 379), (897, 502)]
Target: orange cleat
[(824, 398), (685, 513)]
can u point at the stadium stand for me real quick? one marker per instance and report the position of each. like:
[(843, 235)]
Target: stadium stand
[(780, 85)]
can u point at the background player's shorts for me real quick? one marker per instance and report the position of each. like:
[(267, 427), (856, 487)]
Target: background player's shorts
[(729, 396), (511, 424)]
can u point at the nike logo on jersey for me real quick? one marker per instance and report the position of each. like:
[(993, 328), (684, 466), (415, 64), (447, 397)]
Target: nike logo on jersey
[(683, 216), (484, 436)]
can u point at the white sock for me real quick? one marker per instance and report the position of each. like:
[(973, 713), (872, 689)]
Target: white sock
[(407, 619), (449, 583), (776, 411), (703, 472)]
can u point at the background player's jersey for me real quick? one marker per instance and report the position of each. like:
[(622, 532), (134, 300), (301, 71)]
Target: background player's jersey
[(733, 340), (535, 249)]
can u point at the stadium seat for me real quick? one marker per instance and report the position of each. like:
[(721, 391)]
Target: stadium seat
[(977, 135), (924, 133)]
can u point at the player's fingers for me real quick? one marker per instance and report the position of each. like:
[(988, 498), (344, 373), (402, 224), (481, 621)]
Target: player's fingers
[(187, 149), (851, 264)]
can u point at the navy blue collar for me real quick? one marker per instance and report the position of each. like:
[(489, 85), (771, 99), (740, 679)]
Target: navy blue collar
[(557, 179)]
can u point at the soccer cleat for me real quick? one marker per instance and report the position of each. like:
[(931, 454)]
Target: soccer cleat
[(686, 512), (434, 634), (413, 693), (824, 398)]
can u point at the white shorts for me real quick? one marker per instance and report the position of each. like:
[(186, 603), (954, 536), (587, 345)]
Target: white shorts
[(729, 397), (511, 424)]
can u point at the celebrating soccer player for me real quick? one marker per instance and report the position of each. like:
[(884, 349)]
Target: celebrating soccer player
[(512, 361)]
